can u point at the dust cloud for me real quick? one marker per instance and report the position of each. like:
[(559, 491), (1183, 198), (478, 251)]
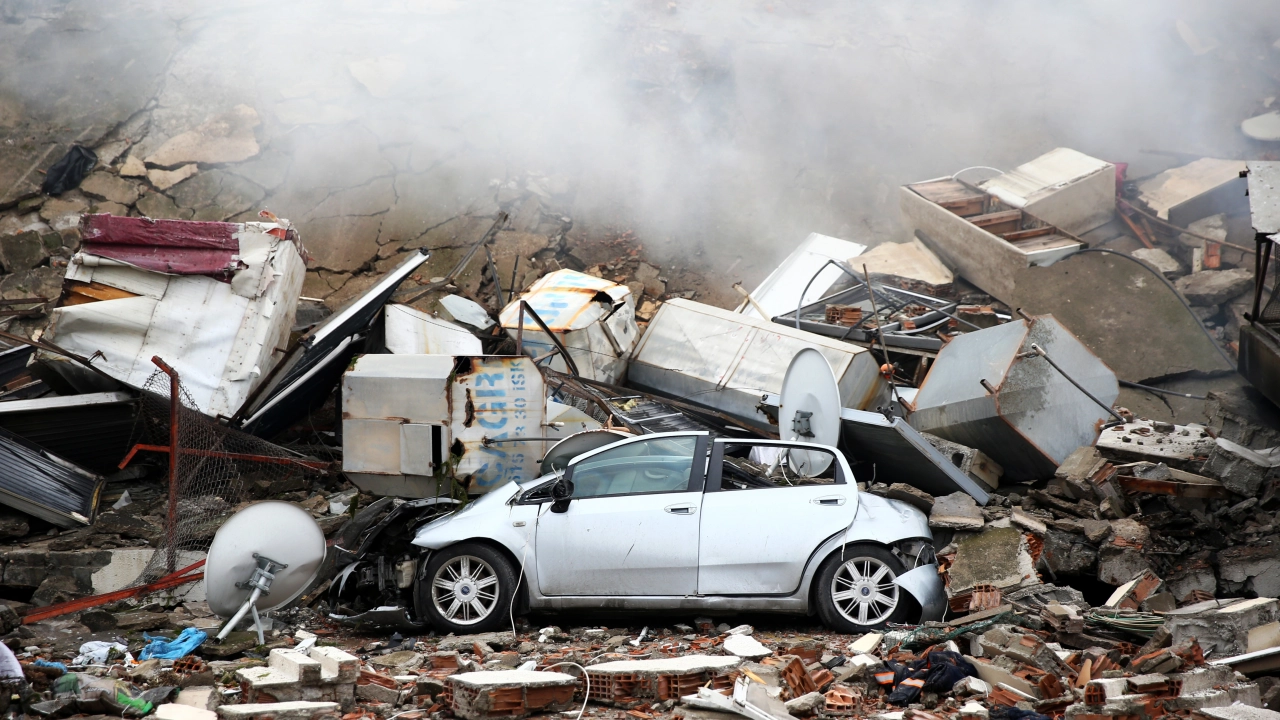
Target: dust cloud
[(716, 130)]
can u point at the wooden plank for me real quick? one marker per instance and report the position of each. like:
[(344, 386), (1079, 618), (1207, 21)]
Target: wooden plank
[(1171, 487), (1028, 234)]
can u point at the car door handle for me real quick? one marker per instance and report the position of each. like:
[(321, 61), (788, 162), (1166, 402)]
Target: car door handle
[(681, 509), (831, 500)]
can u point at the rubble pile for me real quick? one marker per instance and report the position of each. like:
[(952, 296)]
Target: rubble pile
[(1008, 660)]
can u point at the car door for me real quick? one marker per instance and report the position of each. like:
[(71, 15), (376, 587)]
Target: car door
[(761, 521), (631, 527)]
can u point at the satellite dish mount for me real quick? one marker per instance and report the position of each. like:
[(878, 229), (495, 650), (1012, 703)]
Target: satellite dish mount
[(260, 581)]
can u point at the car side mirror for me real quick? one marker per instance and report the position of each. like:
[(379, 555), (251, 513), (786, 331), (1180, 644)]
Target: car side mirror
[(561, 494)]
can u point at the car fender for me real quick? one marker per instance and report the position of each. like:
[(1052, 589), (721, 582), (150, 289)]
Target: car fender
[(490, 518), (878, 520)]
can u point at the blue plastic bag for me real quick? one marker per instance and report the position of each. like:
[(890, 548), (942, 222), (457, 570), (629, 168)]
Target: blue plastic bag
[(166, 649)]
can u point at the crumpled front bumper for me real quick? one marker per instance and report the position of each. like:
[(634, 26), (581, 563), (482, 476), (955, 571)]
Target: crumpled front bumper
[(925, 585)]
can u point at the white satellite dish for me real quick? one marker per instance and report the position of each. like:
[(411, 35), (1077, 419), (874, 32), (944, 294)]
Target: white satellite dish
[(261, 558), (809, 410)]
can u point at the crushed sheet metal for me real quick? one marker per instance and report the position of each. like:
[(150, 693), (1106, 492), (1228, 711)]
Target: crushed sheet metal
[(1033, 418), (222, 337), (497, 398), (780, 292), (179, 247), (595, 319), (40, 484), (726, 361)]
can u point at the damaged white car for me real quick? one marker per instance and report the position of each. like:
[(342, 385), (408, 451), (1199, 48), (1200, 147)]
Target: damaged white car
[(682, 521)]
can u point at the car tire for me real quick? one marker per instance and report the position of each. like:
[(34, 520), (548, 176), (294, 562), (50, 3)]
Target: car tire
[(466, 588), (851, 598)]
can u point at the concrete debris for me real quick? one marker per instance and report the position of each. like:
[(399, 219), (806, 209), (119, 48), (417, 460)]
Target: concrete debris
[(1214, 287), (956, 511)]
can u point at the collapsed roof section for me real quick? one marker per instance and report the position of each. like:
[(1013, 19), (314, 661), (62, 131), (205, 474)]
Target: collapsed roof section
[(215, 300)]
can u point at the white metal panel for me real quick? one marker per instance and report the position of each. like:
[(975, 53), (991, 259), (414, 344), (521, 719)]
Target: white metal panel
[(727, 361), (780, 292), (407, 388), (410, 331), (419, 444), (497, 398), (371, 446)]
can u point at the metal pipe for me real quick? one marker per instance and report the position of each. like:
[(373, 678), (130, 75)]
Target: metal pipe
[(1161, 391), (568, 361), (171, 519), (515, 271), (1037, 350)]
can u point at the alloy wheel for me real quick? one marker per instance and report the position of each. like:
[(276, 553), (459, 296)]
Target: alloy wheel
[(864, 591), (465, 590)]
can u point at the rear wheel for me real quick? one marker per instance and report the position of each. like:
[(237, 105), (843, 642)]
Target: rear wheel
[(467, 588), (856, 591)]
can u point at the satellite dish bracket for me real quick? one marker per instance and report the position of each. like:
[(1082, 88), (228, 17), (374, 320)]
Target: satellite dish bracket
[(260, 581)]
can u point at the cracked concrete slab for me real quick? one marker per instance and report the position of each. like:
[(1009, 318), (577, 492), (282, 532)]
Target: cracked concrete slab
[(159, 205), (373, 198), (226, 138), (109, 187), (216, 195), (165, 179), (341, 244)]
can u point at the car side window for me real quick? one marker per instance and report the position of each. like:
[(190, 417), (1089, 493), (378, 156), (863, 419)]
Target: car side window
[(659, 465), (750, 466)]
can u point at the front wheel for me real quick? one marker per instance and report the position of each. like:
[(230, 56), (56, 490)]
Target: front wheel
[(856, 591), (467, 588)]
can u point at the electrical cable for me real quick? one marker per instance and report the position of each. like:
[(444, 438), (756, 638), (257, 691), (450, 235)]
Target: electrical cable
[(1160, 391), (1213, 341), (586, 694)]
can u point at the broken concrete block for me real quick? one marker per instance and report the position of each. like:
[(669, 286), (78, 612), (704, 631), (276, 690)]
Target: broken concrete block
[(510, 693), (1132, 594), (806, 704), (747, 647), (1162, 261), (1221, 626), (972, 686), (1067, 553), (109, 187), (174, 711), (1214, 287), (1240, 469), (165, 179), (911, 495), (224, 139), (1254, 566), (622, 681), (1235, 712), (973, 710), (866, 645), (998, 556), (972, 462), (1179, 446), (278, 711), (1214, 226), (957, 511)]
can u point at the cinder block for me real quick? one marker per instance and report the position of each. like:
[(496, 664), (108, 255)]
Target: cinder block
[(295, 664), (336, 665), (510, 693), (279, 711)]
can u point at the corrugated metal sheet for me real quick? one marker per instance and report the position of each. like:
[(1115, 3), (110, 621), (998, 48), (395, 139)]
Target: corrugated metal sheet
[(50, 488), (177, 247), (92, 430)]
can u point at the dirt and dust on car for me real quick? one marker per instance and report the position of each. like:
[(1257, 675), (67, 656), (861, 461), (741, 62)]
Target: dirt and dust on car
[(935, 485)]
